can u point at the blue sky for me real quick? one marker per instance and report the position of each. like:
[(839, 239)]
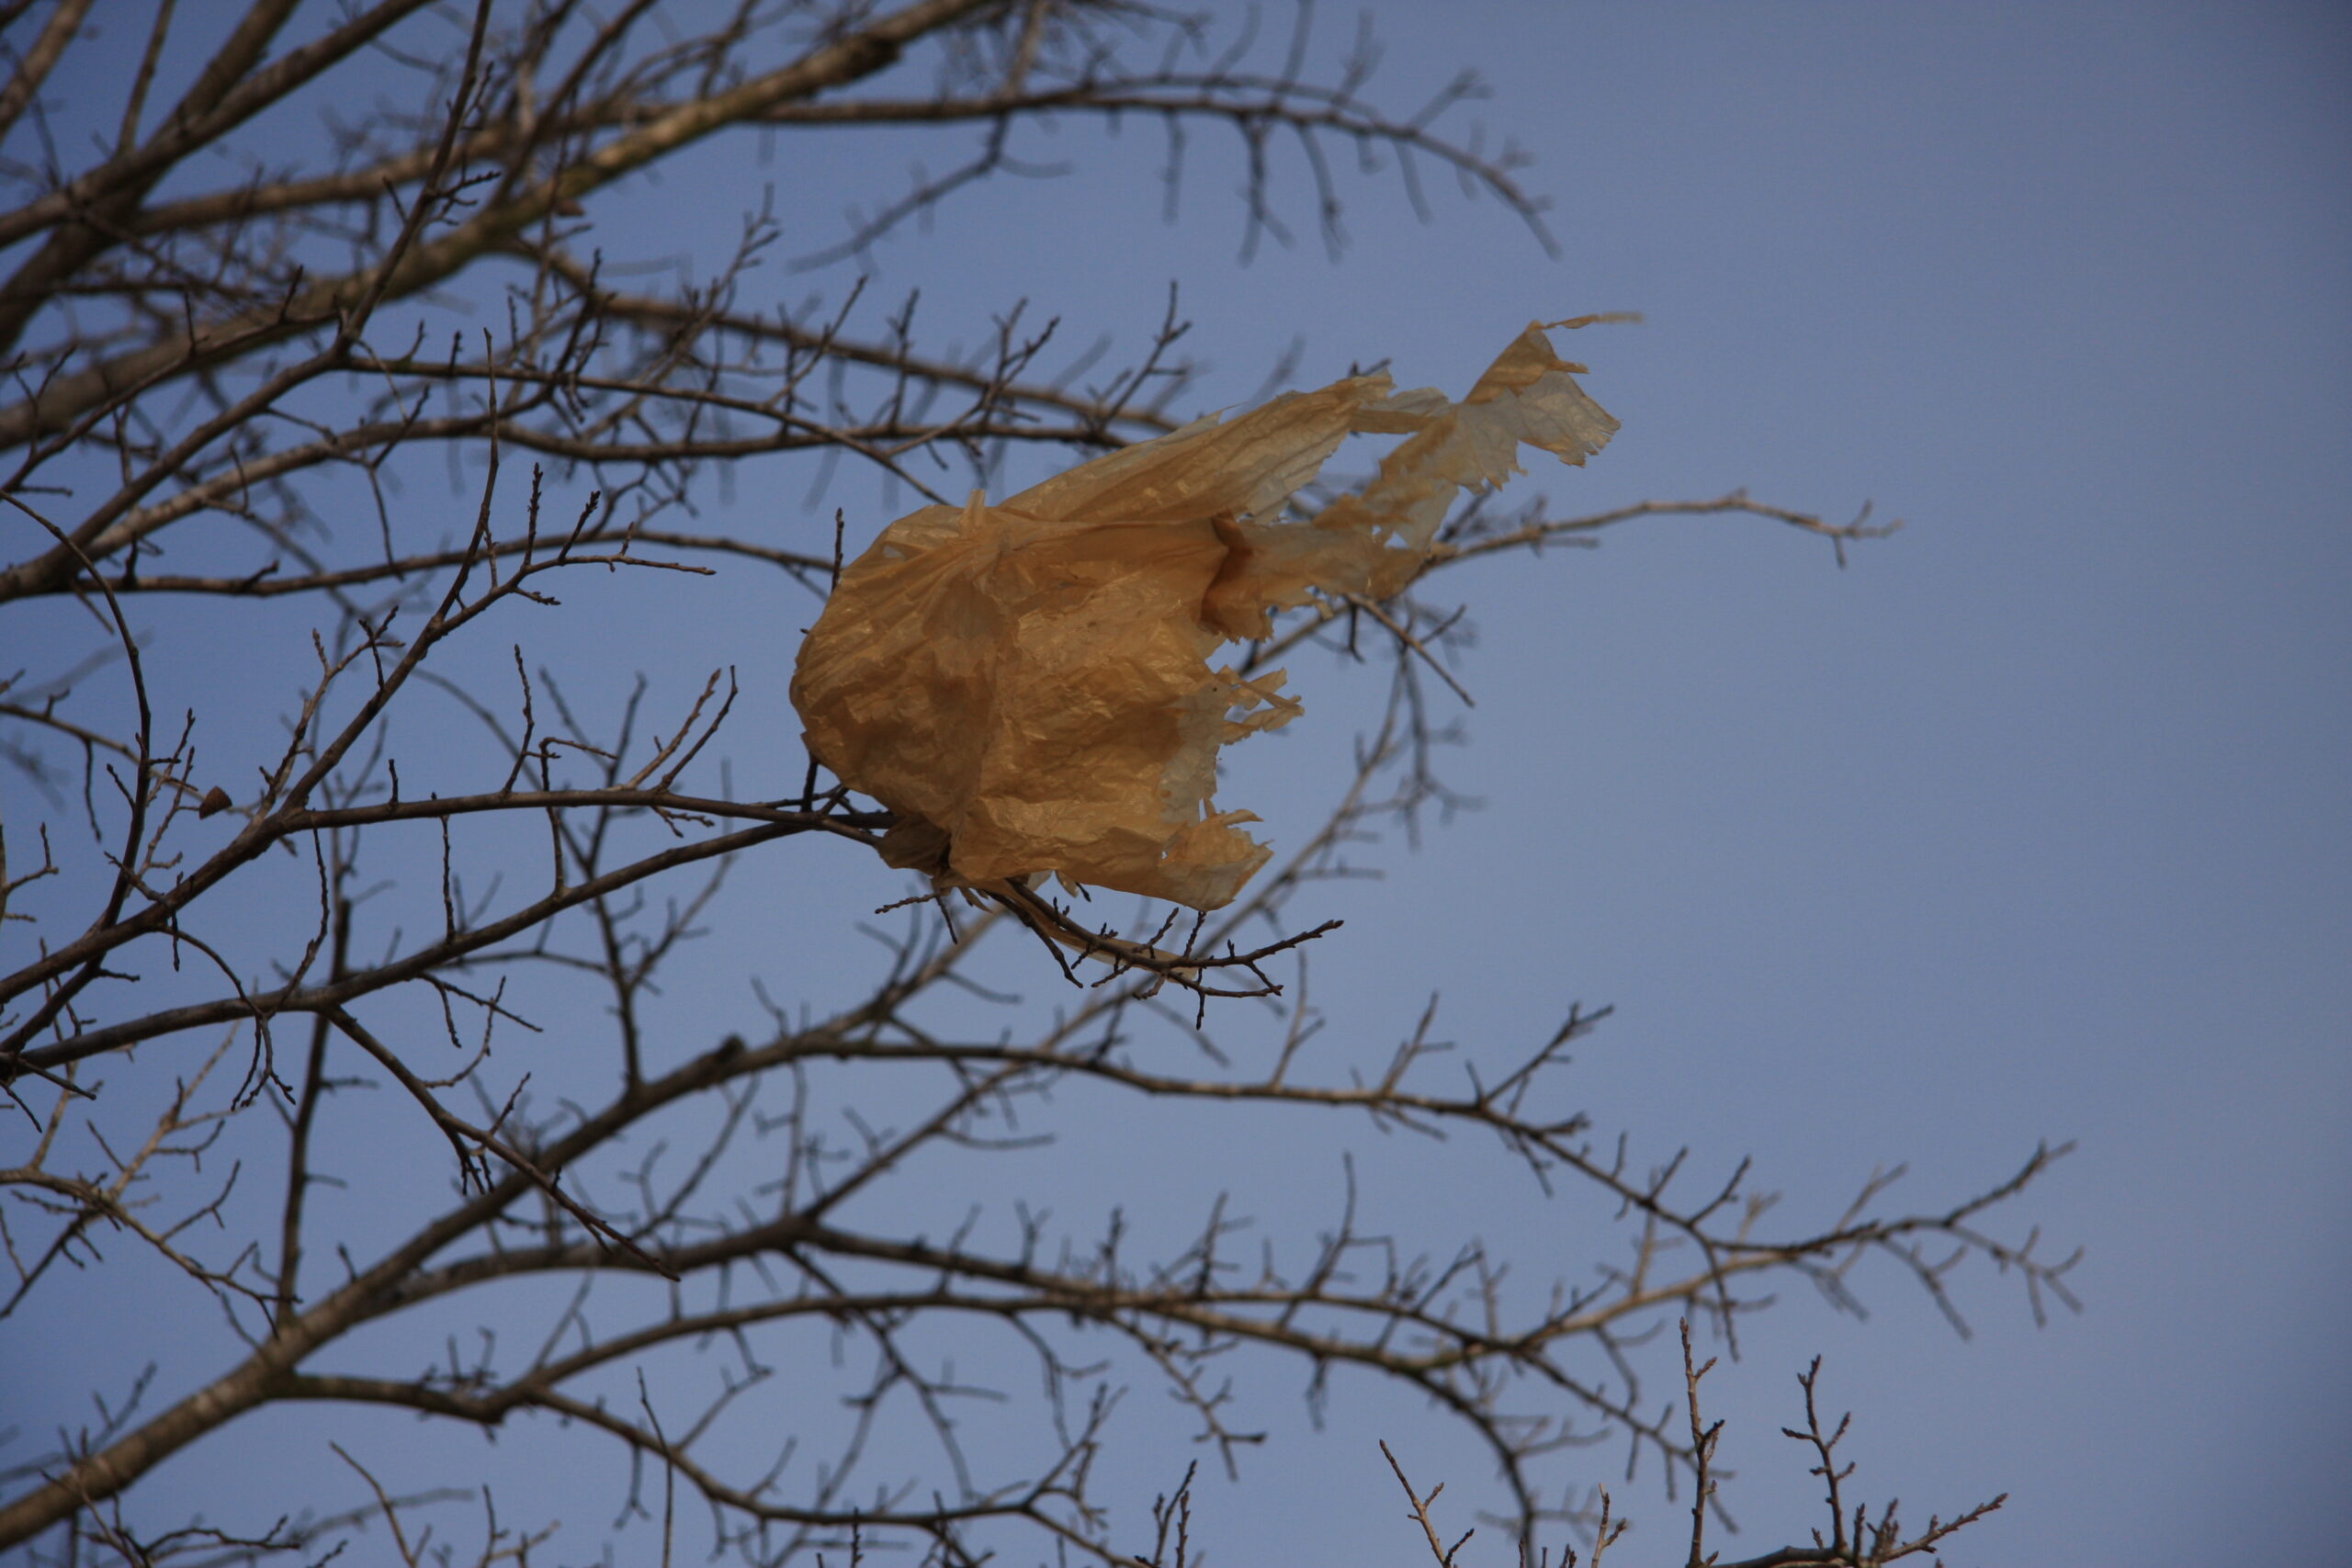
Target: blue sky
[(2030, 823)]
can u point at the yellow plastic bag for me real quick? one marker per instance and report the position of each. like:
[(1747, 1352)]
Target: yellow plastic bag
[(1027, 685)]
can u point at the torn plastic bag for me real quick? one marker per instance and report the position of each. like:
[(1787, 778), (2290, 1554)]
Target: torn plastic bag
[(1027, 685)]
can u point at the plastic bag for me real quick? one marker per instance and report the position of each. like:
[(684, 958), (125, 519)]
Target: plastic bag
[(1027, 685)]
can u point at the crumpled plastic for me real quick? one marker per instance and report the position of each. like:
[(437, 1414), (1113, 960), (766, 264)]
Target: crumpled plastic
[(1027, 685)]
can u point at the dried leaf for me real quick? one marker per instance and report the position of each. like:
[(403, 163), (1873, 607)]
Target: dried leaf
[(1027, 685)]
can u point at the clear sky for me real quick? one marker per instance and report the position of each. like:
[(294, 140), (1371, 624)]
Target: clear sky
[(2036, 821), (2030, 823)]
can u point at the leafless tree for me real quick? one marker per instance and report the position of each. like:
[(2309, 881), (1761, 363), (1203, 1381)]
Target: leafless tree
[(305, 271)]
